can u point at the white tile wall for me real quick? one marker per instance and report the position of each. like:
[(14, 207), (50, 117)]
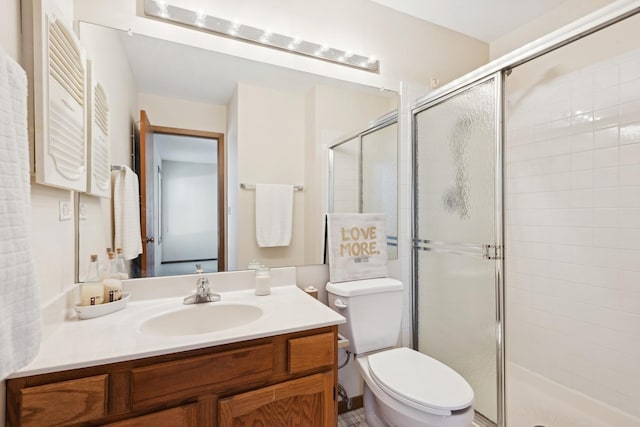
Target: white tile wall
[(572, 199)]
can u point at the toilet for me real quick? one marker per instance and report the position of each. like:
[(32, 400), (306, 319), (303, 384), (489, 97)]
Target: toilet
[(402, 387)]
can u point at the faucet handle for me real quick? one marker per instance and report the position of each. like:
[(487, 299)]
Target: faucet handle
[(202, 288)]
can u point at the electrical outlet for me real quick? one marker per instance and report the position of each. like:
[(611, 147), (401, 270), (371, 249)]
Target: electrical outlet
[(65, 210)]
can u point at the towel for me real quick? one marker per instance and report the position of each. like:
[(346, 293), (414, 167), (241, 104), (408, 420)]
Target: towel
[(274, 214), (126, 212), (20, 313)]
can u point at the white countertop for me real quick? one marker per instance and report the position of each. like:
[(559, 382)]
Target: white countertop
[(117, 337)]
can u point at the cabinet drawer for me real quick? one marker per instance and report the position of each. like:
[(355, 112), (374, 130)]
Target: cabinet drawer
[(182, 416), (311, 352), (79, 400), (183, 378)]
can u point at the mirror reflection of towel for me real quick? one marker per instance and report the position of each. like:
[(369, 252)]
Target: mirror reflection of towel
[(274, 214), (126, 212)]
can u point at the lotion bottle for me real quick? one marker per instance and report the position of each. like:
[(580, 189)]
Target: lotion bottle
[(91, 292)]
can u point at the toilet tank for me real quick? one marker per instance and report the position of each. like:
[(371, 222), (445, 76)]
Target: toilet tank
[(373, 309)]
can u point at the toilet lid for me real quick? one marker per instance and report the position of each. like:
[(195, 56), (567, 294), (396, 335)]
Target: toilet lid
[(419, 380)]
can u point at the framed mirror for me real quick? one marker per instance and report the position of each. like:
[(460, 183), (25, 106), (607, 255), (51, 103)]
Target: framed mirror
[(276, 123)]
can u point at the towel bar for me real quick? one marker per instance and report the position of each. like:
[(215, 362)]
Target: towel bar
[(253, 187)]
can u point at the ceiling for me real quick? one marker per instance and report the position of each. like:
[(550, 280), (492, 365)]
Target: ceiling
[(486, 20), (213, 76), (207, 76)]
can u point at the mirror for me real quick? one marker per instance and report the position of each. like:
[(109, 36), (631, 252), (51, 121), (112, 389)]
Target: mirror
[(277, 125), (363, 175)]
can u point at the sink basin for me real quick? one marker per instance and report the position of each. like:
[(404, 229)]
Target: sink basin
[(201, 319)]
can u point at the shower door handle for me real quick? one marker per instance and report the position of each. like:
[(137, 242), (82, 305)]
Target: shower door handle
[(485, 251)]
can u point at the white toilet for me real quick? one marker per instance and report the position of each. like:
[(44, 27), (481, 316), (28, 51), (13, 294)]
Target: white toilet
[(402, 387)]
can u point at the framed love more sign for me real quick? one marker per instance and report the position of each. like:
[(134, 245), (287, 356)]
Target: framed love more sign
[(357, 246)]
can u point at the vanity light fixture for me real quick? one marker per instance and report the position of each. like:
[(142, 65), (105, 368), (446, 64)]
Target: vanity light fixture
[(200, 20)]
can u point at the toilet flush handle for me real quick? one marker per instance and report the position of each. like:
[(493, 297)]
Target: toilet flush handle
[(339, 304)]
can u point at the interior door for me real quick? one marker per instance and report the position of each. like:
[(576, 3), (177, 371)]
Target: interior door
[(146, 197), (457, 237)]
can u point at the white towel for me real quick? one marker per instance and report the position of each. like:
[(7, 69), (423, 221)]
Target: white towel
[(20, 313), (274, 214), (126, 212)]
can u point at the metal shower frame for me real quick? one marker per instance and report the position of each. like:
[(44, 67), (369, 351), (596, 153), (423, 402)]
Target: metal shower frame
[(498, 69)]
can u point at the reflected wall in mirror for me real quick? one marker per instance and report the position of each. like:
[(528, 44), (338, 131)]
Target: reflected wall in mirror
[(364, 175), (277, 124)]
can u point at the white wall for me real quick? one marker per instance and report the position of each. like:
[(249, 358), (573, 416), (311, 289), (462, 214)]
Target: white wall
[(10, 28), (189, 211), (271, 131), (565, 13), (232, 182), (178, 113)]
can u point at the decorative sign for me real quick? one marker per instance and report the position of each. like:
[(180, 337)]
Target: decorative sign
[(357, 244)]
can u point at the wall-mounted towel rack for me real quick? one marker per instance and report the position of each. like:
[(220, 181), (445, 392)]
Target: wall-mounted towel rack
[(253, 187), (117, 167)]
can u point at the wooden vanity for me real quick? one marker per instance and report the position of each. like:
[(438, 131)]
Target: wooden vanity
[(287, 379)]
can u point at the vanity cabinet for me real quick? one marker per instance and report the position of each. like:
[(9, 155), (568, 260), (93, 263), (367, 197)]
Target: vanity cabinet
[(286, 379)]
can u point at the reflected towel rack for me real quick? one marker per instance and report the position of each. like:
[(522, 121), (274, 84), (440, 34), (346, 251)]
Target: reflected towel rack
[(253, 187)]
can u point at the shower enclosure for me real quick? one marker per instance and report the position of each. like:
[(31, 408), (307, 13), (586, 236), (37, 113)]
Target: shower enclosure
[(526, 258), (363, 175)]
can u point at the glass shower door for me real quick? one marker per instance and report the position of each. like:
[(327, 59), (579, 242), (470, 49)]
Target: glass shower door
[(457, 236)]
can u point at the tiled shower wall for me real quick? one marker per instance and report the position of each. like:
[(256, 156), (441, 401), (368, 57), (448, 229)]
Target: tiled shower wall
[(572, 200), (345, 177)]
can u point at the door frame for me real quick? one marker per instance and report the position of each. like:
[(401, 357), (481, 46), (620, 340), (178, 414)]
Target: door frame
[(222, 182), (497, 247)]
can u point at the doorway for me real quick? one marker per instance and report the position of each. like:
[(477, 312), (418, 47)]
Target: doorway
[(182, 197)]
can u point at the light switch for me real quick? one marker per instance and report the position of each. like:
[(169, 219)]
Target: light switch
[(65, 210), (82, 211)]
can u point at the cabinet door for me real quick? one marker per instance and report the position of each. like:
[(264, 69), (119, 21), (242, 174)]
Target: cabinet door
[(307, 401), (182, 416)]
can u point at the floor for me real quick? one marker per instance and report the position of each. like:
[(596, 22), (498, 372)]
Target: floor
[(351, 418), (355, 417), (187, 267)]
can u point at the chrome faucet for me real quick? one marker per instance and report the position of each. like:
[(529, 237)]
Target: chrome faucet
[(203, 293)]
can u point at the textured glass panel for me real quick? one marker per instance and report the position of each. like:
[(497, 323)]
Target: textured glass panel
[(456, 151), (346, 176), (380, 179), (456, 318), (455, 184)]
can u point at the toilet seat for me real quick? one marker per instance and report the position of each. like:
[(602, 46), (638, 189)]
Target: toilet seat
[(420, 381)]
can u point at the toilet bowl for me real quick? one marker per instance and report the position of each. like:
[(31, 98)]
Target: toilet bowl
[(405, 388), (402, 387)]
